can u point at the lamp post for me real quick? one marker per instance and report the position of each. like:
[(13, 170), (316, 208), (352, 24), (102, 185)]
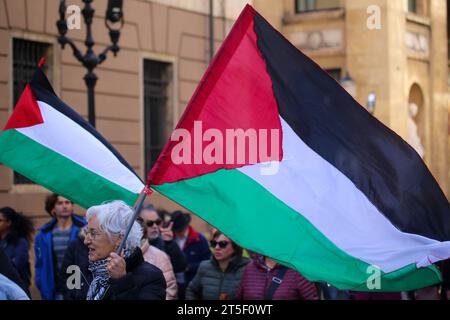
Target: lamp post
[(89, 59)]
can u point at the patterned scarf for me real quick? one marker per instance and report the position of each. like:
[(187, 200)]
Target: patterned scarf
[(100, 281)]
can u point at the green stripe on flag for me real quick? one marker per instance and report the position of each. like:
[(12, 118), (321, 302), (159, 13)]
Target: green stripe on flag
[(256, 220), (58, 173)]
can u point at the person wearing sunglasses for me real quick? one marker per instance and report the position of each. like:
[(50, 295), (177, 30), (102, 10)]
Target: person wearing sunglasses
[(219, 277), (150, 222), (160, 235)]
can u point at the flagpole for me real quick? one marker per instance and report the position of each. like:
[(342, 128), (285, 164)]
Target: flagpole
[(147, 191)]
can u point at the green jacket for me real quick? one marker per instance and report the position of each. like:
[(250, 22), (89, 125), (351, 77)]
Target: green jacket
[(211, 283)]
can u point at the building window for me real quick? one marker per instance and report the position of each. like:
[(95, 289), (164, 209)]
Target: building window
[(157, 114), (412, 6), (335, 73), (419, 7), (315, 5), (26, 56)]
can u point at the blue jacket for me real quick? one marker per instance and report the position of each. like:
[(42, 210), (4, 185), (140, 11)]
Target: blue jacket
[(196, 250), (45, 274)]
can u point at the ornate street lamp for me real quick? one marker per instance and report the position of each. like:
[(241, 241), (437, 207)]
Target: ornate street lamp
[(90, 60)]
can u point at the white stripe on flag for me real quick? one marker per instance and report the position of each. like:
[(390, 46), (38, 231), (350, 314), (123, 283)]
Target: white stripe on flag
[(332, 203), (62, 135)]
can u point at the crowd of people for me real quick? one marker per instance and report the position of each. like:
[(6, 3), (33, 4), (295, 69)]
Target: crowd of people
[(163, 257)]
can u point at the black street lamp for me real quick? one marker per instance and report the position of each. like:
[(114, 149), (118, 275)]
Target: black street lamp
[(90, 60)]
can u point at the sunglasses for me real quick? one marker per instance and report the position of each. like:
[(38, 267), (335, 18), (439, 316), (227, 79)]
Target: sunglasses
[(222, 244), (150, 223)]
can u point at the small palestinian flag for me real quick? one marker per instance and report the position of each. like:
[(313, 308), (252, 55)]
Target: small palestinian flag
[(341, 197), (49, 143)]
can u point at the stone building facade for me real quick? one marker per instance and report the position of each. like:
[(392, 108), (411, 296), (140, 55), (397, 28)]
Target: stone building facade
[(165, 49), (393, 50)]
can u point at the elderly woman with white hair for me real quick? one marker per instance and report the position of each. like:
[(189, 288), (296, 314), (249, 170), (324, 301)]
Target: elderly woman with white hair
[(119, 277)]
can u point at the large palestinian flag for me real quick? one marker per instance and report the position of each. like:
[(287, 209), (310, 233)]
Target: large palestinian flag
[(342, 196), (49, 143)]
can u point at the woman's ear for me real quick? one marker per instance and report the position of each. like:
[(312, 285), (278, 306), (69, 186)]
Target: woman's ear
[(118, 241)]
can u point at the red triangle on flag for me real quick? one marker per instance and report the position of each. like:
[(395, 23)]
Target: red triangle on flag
[(26, 113)]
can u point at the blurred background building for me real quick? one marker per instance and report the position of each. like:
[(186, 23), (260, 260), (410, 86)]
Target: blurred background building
[(390, 55)]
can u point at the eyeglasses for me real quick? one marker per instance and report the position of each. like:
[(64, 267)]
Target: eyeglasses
[(150, 223), (92, 233), (222, 244)]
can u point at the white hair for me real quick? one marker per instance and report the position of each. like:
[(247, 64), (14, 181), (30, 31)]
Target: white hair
[(114, 218)]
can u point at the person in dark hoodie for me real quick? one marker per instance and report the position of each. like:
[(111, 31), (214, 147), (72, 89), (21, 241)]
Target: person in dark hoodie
[(16, 231), (51, 244), (219, 277), (119, 277)]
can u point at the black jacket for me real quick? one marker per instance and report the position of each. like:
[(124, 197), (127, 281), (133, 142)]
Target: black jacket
[(76, 255), (177, 258), (143, 281)]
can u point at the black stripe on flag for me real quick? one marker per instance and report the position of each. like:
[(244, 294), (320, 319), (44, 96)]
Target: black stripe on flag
[(44, 92), (379, 163)]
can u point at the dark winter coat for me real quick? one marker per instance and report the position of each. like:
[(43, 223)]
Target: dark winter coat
[(196, 250), (211, 283), (76, 255), (7, 269), (177, 258), (143, 281), (17, 251)]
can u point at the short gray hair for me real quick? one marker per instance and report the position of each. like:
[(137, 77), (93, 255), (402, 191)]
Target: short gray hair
[(114, 218)]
